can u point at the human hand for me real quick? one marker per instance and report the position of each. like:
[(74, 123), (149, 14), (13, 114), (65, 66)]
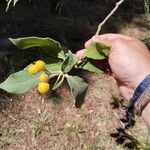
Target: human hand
[(129, 60)]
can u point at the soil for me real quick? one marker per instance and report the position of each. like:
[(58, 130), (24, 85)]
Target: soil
[(40, 122)]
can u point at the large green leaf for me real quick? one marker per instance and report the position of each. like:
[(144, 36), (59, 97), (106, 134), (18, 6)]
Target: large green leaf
[(97, 51), (53, 65), (50, 46), (78, 89), (20, 82), (58, 82), (89, 65), (69, 62)]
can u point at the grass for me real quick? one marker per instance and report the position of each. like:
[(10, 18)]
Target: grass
[(142, 138), (7, 137), (41, 124)]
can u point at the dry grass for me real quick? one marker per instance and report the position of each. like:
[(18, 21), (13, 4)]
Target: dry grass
[(138, 28), (34, 122)]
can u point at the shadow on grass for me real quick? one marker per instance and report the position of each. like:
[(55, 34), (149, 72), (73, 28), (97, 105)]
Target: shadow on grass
[(117, 102), (56, 98), (121, 136), (125, 139)]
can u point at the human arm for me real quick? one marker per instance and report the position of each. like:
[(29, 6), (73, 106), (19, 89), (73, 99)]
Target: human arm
[(129, 60)]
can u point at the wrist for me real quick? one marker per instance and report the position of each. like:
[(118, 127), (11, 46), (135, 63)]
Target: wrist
[(146, 114), (139, 102), (140, 77)]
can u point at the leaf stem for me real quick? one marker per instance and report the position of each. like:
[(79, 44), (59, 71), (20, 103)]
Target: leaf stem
[(53, 75), (80, 63)]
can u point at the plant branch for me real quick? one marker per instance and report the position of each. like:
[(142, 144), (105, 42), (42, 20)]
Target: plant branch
[(108, 16)]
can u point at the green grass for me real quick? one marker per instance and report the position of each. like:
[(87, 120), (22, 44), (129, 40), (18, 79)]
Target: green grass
[(7, 137), (40, 124), (142, 137)]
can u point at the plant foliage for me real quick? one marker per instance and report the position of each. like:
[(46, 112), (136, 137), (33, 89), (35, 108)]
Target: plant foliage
[(58, 65)]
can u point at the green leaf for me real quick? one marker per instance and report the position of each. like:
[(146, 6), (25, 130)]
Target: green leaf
[(97, 51), (50, 46), (20, 82), (53, 65), (88, 65), (58, 82), (61, 55), (78, 89), (69, 62)]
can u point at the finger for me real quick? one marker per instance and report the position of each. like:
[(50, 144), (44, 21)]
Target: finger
[(97, 39), (80, 54), (105, 38), (112, 36), (88, 43), (106, 42)]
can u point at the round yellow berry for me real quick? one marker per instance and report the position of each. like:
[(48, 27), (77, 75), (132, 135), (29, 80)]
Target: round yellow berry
[(43, 77), (40, 65), (32, 69), (43, 87)]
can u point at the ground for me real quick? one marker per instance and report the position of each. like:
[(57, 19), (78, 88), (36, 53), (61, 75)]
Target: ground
[(138, 28), (51, 122), (38, 122)]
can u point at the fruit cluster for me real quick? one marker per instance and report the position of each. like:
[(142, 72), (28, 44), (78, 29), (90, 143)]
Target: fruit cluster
[(43, 86)]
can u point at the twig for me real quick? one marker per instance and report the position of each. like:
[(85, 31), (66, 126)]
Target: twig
[(108, 16), (119, 119)]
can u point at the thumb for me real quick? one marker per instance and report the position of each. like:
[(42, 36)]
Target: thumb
[(99, 39), (80, 54)]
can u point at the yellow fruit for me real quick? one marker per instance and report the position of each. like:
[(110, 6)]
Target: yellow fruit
[(43, 77), (40, 65), (32, 69), (43, 87)]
